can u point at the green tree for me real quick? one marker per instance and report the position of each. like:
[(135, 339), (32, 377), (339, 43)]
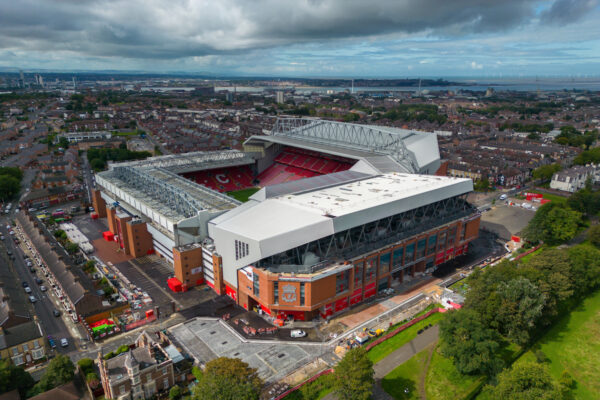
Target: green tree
[(525, 381), (228, 379), (545, 172), (60, 371), (71, 247), (175, 393), (86, 365), (521, 305), (13, 377), (585, 269), (9, 187), (353, 376), (553, 224), (594, 235), (12, 171), (471, 345), (63, 142), (482, 185)]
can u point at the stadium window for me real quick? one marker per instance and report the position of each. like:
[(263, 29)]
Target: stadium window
[(301, 293), (370, 269), (409, 254), (341, 281), (358, 274), (451, 237), (384, 263), (397, 256), (442, 241), (463, 232), (256, 283), (276, 292), (421, 248), (431, 244)]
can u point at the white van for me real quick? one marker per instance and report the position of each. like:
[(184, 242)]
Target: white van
[(503, 197)]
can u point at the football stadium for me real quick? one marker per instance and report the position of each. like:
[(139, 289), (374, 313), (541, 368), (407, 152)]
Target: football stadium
[(311, 219)]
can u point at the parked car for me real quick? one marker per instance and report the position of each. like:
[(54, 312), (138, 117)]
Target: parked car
[(64, 342), (38, 281), (51, 342), (25, 284), (297, 333), (32, 299), (27, 289), (56, 313), (43, 288)]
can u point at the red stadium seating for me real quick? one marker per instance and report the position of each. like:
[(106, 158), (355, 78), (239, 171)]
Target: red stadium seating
[(223, 179)]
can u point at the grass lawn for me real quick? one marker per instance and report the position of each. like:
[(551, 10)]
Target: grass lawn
[(443, 381), (406, 376), (244, 194), (526, 258), (573, 344), (461, 287), (380, 351)]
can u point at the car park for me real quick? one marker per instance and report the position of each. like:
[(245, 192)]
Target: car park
[(297, 333)]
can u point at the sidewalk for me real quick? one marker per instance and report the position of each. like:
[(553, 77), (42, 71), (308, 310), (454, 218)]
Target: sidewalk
[(399, 356)]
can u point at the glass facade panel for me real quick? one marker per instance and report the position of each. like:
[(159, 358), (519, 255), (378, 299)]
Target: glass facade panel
[(431, 244), (384, 263), (442, 241), (341, 281), (358, 275), (370, 269), (409, 254), (451, 237), (421, 248), (398, 253)]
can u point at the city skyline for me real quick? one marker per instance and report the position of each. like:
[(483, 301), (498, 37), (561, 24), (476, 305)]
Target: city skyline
[(308, 38)]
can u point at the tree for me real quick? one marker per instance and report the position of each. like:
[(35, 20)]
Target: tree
[(545, 172), (9, 187), (175, 393), (482, 185), (63, 142), (86, 365), (525, 381), (353, 376), (71, 247), (471, 345), (553, 224), (594, 235), (60, 371), (521, 304), (13, 377), (228, 379), (585, 269)]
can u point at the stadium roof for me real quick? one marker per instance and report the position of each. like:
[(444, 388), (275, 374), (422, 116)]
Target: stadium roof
[(386, 148), (279, 223), (194, 161), (157, 192)]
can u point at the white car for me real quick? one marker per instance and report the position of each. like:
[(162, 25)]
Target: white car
[(27, 290), (43, 288), (64, 342), (297, 333), (32, 299)]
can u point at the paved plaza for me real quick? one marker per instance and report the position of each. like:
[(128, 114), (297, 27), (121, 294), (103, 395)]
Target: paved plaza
[(208, 338)]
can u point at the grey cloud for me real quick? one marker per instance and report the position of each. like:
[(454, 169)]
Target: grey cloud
[(166, 29), (567, 11)]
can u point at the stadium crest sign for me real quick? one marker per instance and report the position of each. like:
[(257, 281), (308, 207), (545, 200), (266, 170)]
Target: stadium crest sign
[(288, 294)]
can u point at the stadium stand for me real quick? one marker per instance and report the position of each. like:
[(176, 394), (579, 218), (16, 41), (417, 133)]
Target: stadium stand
[(293, 164), (223, 179)]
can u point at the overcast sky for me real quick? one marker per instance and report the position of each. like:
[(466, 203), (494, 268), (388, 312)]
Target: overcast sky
[(369, 38)]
